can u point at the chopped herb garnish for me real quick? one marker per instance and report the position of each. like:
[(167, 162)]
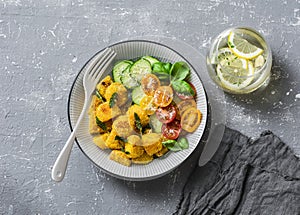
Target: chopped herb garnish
[(138, 123), (113, 100), (127, 152), (101, 124)]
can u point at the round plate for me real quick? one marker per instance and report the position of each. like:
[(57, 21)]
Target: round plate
[(132, 49)]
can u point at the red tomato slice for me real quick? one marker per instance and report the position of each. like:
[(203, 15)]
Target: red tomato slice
[(186, 97), (171, 130), (166, 114)]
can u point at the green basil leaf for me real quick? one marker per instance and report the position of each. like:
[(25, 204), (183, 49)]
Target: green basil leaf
[(183, 143), (138, 123), (175, 147), (179, 71), (183, 87), (113, 100), (99, 95), (172, 145), (169, 143), (101, 124), (161, 68)]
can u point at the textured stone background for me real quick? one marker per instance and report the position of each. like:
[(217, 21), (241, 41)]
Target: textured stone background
[(45, 43)]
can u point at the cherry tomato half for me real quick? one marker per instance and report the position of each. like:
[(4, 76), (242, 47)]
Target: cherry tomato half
[(149, 84), (171, 130), (163, 96), (187, 97), (166, 114), (185, 104), (191, 119)]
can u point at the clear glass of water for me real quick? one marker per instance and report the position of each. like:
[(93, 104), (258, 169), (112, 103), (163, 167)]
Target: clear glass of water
[(240, 60)]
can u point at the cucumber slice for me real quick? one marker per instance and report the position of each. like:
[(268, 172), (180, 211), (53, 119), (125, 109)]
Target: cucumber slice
[(137, 95), (155, 124), (139, 69), (127, 80), (151, 59), (119, 69)]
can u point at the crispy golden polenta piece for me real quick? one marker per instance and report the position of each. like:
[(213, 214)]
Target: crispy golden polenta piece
[(111, 142), (94, 104), (105, 113), (143, 159), (152, 143), (94, 128), (103, 85), (140, 112), (133, 147), (120, 157), (121, 91), (163, 151), (122, 127), (99, 140)]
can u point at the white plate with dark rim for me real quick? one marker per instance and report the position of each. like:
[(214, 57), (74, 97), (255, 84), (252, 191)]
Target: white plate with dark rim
[(132, 49)]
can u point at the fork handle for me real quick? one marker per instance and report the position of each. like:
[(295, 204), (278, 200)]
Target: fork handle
[(60, 165)]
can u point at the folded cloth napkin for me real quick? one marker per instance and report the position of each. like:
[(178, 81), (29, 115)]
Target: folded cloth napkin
[(245, 176)]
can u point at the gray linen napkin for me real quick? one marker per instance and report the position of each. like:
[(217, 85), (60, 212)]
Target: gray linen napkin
[(245, 176)]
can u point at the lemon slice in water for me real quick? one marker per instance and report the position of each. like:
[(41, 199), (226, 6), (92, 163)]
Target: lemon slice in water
[(236, 76), (242, 48)]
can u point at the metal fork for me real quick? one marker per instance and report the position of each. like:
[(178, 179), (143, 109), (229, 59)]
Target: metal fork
[(90, 80)]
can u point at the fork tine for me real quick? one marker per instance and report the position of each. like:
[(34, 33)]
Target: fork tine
[(94, 62), (101, 62), (100, 71)]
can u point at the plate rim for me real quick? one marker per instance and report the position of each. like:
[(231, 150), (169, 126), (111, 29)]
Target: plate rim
[(69, 115)]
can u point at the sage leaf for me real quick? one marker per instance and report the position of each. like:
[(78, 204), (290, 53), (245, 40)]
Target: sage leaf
[(113, 100), (172, 145), (99, 95), (138, 123), (101, 124), (121, 139)]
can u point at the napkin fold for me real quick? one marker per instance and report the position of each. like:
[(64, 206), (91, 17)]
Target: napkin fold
[(245, 176)]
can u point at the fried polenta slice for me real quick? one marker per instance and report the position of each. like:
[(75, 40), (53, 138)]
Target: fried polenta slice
[(99, 140), (142, 114), (94, 128), (143, 159), (104, 112), (121, 91), (103, 85), (133, 147), (111, 141), (94, 104), (163, 151), (122, 127), (120, 157), (152, 143)]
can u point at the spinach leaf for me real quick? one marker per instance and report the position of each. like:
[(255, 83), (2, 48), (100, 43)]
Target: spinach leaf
[(138, 123), (101, 124), (179, 71), (113, 100), (183, 87), (183, 143)]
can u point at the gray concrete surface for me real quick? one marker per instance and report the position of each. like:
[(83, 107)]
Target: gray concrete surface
[(45, 43)]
